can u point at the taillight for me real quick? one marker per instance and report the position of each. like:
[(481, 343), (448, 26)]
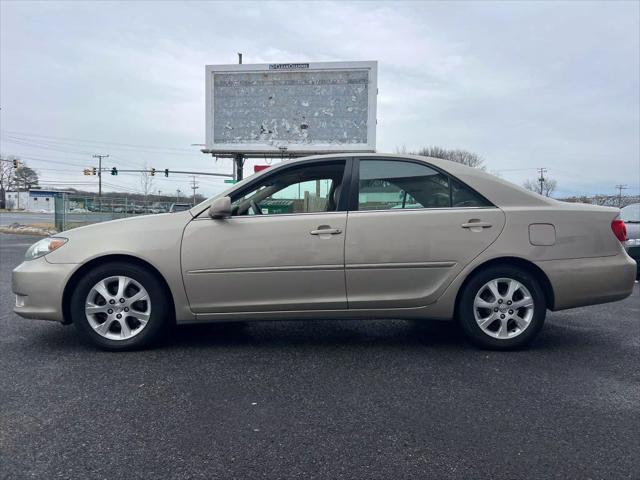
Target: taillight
[(619, 229)]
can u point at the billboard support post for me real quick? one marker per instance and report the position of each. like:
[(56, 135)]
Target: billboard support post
[(238, 169)]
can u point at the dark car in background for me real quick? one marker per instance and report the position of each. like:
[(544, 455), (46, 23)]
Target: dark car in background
[(631, 216), (179, 207)]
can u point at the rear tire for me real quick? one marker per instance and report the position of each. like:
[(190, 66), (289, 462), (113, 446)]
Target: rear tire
[(502, 308), (120, 306)]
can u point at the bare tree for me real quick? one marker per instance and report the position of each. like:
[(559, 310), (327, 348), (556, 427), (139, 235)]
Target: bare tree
[(548, 186), (461, 156), (401, 150), (605, 200), (146, 182), (7, 173)]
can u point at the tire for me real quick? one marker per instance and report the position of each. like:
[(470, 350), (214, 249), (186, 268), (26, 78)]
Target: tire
[(143, 305), (510, 328)]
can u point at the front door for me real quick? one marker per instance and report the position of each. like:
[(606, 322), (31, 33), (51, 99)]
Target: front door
[(281, 250), (411, 230)]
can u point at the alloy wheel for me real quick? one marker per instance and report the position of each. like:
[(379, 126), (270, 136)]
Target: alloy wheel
[(118, 308), (503, 308)]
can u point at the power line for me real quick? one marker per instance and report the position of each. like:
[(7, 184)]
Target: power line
[(64, 150), (514, 169), (69, 140), (49, 160), (45, 146)]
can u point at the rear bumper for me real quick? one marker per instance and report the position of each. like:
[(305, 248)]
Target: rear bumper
[(579, 282), (38, 286)]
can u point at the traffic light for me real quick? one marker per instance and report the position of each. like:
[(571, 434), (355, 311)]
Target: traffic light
[(114, 171), (16, 163), (166, 172), (87, 171), (94, 170), (153, 172)]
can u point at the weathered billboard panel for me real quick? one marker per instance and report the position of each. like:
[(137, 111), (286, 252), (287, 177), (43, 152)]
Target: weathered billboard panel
[(296, 108)]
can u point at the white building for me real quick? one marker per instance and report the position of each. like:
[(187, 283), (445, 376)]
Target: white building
[(32, 201)]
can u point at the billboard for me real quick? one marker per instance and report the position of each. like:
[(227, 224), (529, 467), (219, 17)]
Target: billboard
[(297, 108)]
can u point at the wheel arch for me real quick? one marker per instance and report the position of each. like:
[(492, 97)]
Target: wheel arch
[(519, 262), (80, 272)]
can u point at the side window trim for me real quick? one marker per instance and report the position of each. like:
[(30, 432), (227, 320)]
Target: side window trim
[(355, 184)]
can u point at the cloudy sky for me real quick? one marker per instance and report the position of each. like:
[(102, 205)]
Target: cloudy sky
[(524, 84)]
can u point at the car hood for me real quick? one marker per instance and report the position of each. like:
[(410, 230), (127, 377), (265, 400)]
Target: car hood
[(129, 224), (148, 237)]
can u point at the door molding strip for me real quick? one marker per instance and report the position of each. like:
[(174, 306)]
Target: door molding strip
[(368, 266), (289, 268)]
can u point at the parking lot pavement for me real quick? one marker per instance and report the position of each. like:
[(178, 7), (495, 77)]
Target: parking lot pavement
[(334, 399)]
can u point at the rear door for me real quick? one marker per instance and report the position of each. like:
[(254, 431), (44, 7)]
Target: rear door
[(411, 230)]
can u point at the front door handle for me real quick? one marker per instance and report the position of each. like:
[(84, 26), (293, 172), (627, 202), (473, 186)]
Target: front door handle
[(476, 225), (325, 230)]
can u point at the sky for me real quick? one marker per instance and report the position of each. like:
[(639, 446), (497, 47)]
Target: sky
[(523, 84)]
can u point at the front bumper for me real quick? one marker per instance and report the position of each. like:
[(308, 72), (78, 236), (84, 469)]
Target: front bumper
[(38, 286)]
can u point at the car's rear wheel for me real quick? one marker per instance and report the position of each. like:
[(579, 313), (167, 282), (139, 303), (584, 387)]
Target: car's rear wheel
[(119, 306), (502, 308)]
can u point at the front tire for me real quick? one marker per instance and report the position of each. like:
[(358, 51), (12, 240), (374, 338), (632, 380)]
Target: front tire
[(502, 308), (120, 306)]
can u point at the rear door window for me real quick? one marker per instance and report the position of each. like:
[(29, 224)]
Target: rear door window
[(389, 184)]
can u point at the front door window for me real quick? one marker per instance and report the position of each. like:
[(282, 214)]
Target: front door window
[(299, 190)]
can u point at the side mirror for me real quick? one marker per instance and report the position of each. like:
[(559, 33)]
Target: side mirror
[(220, 208)]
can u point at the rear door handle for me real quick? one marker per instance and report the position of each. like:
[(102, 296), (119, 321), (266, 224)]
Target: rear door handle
[(325, 230), (476, 225)]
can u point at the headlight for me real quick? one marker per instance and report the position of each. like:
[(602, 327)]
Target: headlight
[(44, 246), (634, 242)]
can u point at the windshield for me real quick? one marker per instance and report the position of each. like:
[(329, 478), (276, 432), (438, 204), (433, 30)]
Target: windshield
[(631, 213)]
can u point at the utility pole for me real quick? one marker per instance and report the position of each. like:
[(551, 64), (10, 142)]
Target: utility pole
[(620, 188), (194, 187), (541, 179), (238, 159), (100, 157), (178, 195)]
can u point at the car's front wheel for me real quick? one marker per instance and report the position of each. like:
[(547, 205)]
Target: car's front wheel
[(502, 308), (120, 306)]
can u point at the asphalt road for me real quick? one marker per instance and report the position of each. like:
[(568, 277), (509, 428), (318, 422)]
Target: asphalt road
[(335, 400), (25, 218)]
